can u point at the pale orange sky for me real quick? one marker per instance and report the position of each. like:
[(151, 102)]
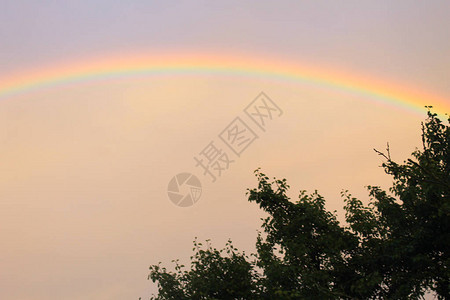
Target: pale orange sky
[(84, 168)]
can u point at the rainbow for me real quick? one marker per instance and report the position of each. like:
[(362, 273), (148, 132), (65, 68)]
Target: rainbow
[(132, 66)]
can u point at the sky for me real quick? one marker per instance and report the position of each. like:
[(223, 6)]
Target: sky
[(86, 163)]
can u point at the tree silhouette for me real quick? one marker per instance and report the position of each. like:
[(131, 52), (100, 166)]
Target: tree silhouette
[(397, 247)]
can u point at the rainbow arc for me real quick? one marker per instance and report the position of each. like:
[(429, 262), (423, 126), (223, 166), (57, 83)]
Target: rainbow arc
[(124, 67)]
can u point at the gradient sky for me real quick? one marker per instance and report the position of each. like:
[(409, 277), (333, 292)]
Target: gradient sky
[(84, 167)]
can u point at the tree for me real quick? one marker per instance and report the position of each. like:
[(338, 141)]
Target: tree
[(396, 247), (212, 276)]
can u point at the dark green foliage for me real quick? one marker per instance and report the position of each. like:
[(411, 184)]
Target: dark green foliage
[(213, 275), (397, 247)]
